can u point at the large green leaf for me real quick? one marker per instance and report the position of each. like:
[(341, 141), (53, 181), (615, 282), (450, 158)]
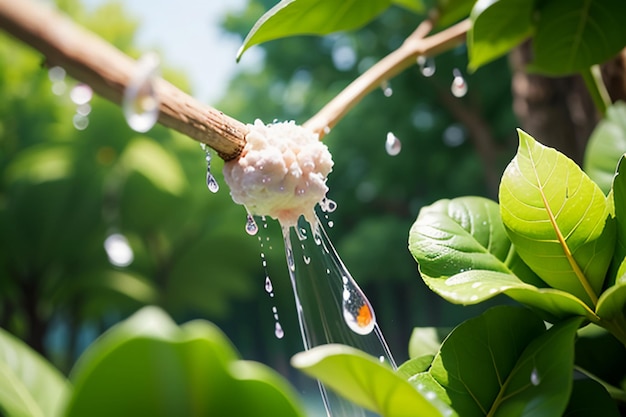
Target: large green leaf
[(558, 219), (29, 386), (149, 366), (573, 35), (505, 363), (367, 382), (449, 11), (311, 17), (465, 256), (497, 27), (606, 145)]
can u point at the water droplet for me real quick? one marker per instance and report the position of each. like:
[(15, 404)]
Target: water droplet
[(251, 226), (393, 146), (427, 66), (118, 250), (211, 183), (331, 223), (357, 311), (278, 331), (81, 94), (269, 288), (534, 377), (80, 122), (381, 358), (459, 86), (83, 109), (326, 130), (140, 103), (386, 87)]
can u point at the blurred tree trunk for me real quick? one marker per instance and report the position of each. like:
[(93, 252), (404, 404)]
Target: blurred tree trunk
[(558, 112)]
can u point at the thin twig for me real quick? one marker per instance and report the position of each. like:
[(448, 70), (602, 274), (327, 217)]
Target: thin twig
[(417, 44), (90, 59)]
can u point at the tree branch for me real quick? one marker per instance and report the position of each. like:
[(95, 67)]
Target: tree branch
[(417, 44), (90, 59)]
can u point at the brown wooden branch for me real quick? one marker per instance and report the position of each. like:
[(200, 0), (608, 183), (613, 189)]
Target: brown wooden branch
[(90, 59), (417, 44)]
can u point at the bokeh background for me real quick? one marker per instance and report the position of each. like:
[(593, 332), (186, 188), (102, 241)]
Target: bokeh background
[(69, 182)]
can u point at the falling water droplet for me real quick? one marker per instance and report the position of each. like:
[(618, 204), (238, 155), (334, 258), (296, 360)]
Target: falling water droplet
[(386, 87), (459, 86), (251, 226), (357, 311), (140, 103), (427, 66), (393, 146), (534, 377), (81, 94), (278, 330), (269, 288)]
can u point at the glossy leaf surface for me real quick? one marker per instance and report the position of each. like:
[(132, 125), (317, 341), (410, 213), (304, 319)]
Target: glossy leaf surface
[(465, 256), (365, 381), (573, 35), (506, 363), (311, 17), (558, 219), (497, 27)]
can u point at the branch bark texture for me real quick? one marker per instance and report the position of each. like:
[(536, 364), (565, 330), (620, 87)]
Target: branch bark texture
[(90, 59)]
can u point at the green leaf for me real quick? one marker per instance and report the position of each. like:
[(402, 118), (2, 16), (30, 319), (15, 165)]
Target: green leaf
[(497, 27), (505, 363), (573, 35), (29, 386), (365, 381), (450, 11), (618, 266), (154, 162), (416, 6), (426, 340), (606, 145), (465, 256), (590, 398), (415, 366), (148, 365), (558, 219), (311, 17)]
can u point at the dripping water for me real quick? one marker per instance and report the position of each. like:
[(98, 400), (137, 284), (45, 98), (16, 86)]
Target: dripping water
[(459, 85), (386, 87), (269, 287), (426, 65), (211, 182), (251, 226), (140, 102), (393, 146)]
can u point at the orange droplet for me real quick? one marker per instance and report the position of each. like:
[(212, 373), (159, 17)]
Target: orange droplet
[(364, 318)]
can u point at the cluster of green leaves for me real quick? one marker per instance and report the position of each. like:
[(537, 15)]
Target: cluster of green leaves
[(146, 365)]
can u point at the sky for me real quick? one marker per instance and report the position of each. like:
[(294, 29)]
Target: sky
[(186, 32)]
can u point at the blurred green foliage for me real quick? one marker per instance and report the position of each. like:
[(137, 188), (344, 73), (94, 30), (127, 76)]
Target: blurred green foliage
[(63, 191)]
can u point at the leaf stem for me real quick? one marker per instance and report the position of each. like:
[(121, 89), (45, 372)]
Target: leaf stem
[(417, 44), (592, 77)]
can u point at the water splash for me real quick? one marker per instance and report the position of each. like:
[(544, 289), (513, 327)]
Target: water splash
[(459, 86), (330, 305), (140, 102), (386, 87), (426, 65), (393, 146)]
